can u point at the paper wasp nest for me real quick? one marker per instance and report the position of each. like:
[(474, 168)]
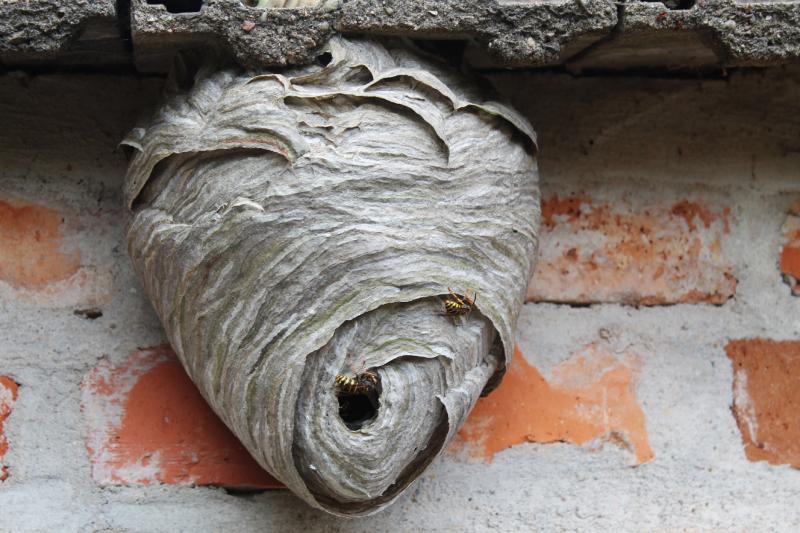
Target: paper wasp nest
[(296, 226)]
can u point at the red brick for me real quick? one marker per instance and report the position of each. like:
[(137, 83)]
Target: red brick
[(790, 252), (589, 397), (8, 395), (32, 247), (766, 398), (39, 264), (149, 424), (629, 251)]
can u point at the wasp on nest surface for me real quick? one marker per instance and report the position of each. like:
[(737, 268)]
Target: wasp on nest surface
[(458, 304)]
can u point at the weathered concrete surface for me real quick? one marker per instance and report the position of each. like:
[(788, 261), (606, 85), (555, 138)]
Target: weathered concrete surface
[(511, 35), (508, 34), (255, 37), (584, 34), (732, 140), (724, 33), (68, 33)]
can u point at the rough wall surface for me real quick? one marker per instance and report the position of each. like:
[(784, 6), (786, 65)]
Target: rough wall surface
[(630, 425)]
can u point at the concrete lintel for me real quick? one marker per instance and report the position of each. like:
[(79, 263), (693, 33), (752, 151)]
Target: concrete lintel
[(583, 34), (710, 33)]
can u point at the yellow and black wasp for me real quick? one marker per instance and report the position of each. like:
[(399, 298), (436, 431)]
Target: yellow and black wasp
[(458, 304), (366, 382)]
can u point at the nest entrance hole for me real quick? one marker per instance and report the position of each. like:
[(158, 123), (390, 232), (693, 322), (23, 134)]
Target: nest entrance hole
[(358, 408)]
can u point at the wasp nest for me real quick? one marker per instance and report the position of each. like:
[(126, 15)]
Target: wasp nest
[(298, 233)]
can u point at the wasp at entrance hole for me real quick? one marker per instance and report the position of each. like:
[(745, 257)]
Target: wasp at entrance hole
[(458, 304), (366, 382)]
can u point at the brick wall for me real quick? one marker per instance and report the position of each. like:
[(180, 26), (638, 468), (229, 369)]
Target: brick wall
[(655, 381)]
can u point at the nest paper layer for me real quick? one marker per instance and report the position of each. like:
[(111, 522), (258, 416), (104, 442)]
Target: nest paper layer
[(296, 225)]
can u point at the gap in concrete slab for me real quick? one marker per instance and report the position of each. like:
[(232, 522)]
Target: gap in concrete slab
[(180, 6), (123, 8), (243, 492), (449, 50), (90, 313), (674, 5), (710, 72)]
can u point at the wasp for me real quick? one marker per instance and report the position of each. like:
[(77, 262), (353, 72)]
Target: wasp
[(458, 304), (366, 382)]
